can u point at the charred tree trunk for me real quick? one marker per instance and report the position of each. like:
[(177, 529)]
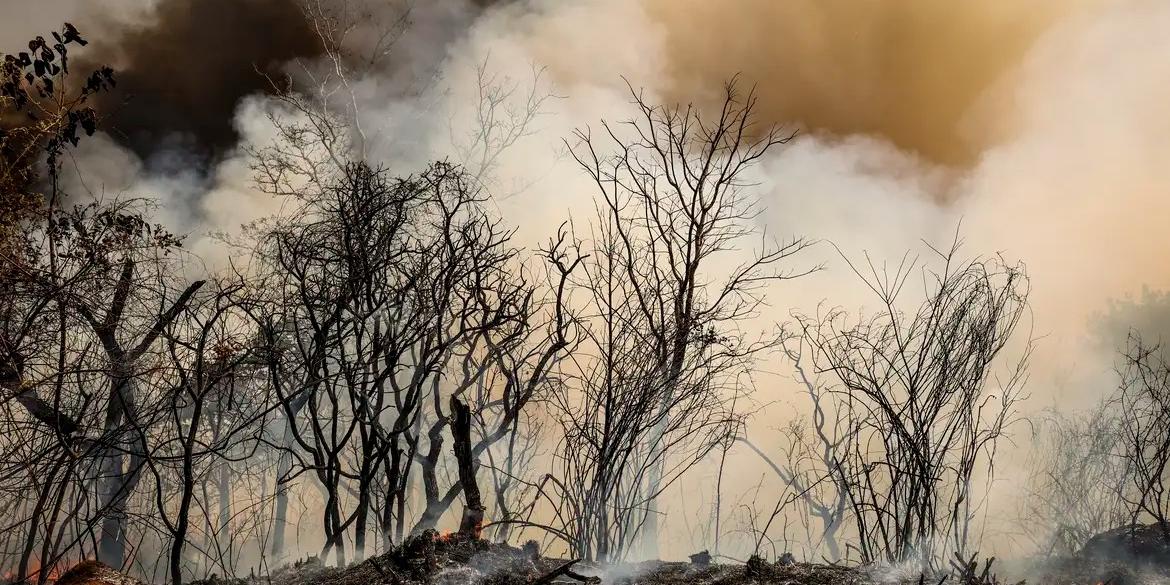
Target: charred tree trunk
[(472, 522), (120, 471), (280, 516), (284, 469)]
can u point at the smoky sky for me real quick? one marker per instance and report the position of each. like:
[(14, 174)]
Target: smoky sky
[(909, 71), (182, 73), (913, 72)]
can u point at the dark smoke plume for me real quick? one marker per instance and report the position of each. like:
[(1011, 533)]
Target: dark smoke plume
[(182, 72), (914, 72)]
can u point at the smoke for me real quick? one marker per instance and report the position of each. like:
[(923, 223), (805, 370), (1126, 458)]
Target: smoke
[(48, 15), (184, 66), (912, 72), (1074, 187), (1041, 127), (192, 76)]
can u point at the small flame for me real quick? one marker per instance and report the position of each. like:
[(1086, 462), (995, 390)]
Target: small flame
[(447, 536)]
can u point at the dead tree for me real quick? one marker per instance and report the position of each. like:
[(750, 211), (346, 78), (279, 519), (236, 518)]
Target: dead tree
[(1144, 400), (388, 284), (1078, 483), (109, 274), (504, 114), (44, 111), (471, 524), (504, 369), (312, 151), (112, 243), (213, 413), (123, 466), (809, 465), (350, 277), (500, 372), (674, 212), (918, 393)]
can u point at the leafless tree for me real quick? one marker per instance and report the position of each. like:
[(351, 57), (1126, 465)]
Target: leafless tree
[(491, 330), (110, 275), (668, 286), (502, 370), (355, 297), (504, 114), (213, 414), (809, 457), (125, 457), (1078, 480), (89, 292), (918, 388), (400, 295), (1144, 401)]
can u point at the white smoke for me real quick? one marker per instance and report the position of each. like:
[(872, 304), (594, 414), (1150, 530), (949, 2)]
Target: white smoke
[(1073, 180)]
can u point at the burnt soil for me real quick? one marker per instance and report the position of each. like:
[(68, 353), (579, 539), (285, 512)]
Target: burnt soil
[(431, 559)]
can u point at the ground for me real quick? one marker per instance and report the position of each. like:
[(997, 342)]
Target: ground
[(431, 559), (1131, 556)]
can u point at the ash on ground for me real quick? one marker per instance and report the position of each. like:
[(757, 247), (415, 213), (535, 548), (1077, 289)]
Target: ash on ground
[(1125, 556)]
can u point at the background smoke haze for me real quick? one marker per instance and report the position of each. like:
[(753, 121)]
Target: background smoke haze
[(1041, 127)]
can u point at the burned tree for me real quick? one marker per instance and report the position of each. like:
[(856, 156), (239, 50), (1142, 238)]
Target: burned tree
[(501, 370), (471, 321), (124, 461), (94, 290), (110, 276), (212, 415), (1144, 400), (396, 297), (45, 109), (668, 287), (471, 524), (921, 400), (353, 276), (1079, 480), (807, 462)]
